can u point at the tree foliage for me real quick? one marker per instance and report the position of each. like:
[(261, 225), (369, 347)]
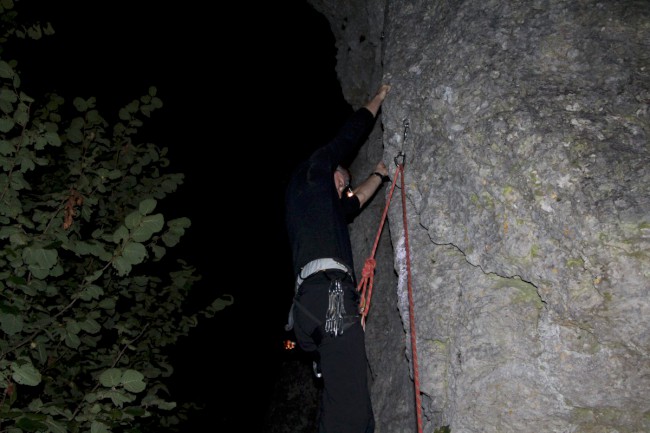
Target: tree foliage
[(89, 301)]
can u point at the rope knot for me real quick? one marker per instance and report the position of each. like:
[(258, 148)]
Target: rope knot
[(369, 267)]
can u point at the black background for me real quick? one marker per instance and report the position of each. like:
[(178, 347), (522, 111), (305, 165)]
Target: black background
[(248, 91)]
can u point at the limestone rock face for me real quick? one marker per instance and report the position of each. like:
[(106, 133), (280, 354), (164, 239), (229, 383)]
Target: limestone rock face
[(524, 130)]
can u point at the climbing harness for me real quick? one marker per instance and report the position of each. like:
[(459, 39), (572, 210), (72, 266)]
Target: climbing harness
[(307, 271), (365, 286)]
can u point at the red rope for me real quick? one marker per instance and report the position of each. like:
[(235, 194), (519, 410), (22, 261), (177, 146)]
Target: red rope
[(365, 286), (416, 373)]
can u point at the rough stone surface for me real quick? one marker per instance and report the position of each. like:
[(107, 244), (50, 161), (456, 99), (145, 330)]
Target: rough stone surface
[(524, 126)]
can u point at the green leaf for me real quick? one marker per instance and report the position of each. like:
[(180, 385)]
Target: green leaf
[(42, 257), (6, 107), (73, 327), (148, 226), (91, 292), (55, 427), (180, 223), (158, 251), (27, 164), (133, 381), (40, 260), (119, 397), (23, 97), (223, 302), (29, 424), (134, 411), (19, 239), (74, 134), (52, 138), (110, 377), (72, 340), (133, 106), (11, 323), (6, 71), (25, 374), (114, 174), (21, 115), (8, 95), (6, 148), (153, 400), (124, 114), (134, 253), (35, 32), (121, 234), (91, 326), (171, 239), (94, 276), (98, 427), (6, 124), (147, 206), (107, 304), (80, 104), (132, 220)]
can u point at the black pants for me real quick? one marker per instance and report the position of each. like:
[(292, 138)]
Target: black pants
[(345, 405)]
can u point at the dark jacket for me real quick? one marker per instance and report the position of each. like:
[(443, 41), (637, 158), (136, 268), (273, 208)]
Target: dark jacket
[(316, 219)]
